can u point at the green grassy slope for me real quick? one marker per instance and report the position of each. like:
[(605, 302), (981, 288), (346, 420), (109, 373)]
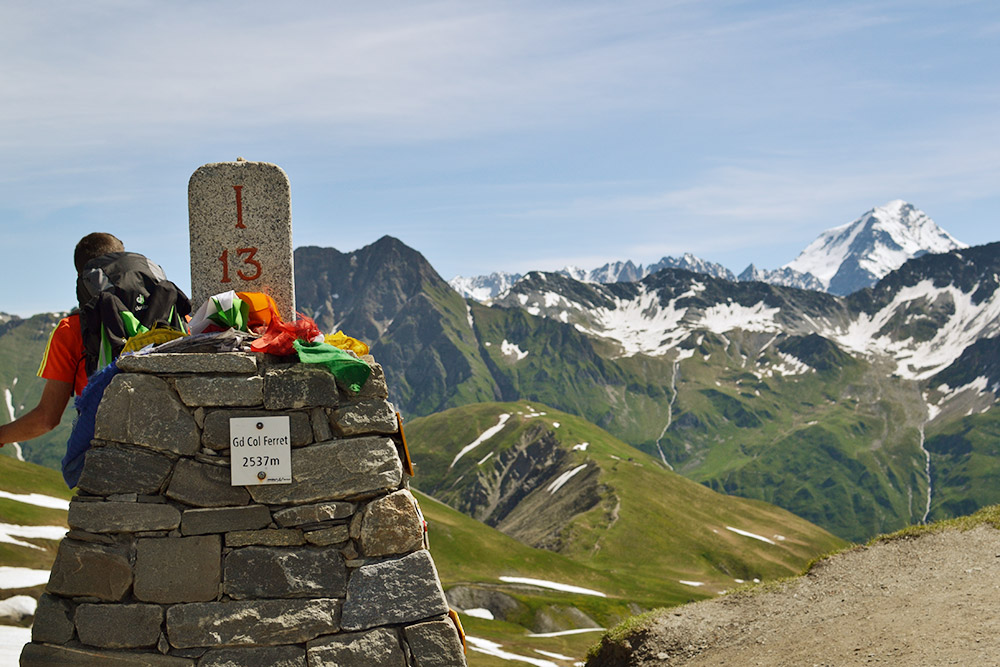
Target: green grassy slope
[(649, 526), (837, 443), (22, 343)]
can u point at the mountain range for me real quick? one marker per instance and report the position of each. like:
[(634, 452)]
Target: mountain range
[(861, 413), (840, 261)]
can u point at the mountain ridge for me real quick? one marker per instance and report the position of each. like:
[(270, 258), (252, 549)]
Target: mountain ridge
[(841, 260)]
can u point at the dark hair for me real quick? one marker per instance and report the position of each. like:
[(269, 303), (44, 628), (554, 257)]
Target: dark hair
[(94, 245)]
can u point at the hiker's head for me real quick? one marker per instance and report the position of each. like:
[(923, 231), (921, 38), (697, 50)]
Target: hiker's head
[(94, 245)]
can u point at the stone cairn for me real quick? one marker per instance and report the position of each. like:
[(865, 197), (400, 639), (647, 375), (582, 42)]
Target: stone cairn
[(168, 564)]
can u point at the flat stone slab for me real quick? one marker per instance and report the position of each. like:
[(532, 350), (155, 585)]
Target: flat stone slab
[(337, 470), (53, 620), (282, 572), (300, 386), (43, 655), (224, 519), (170, 363), (435, 644), (178, 569), (205, 485), (82, 569), (112, 469), (119, 625), (391, 525), (122, 517), (365, 417), (377, 648), (258, 656), (271, 537), (143, 410), (314, 513), (399, 590), (251, 622), (215, 391)]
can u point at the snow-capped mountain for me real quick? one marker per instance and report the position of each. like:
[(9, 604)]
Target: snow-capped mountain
[(784, 276), (841, 260), (484, 288), (856, 255), (921, 316)]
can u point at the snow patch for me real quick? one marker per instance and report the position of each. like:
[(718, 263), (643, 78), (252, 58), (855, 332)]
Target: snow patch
[(747, 534), (18, 607), (692, 583), (563, 478), (22, 577), (728, 316), (512, 350), (564, 633), (480, 613), (495, 650), (549, 654), (542, 583), (483, 437), (582, 447), (9, 532), (485, 459), (37, 499)]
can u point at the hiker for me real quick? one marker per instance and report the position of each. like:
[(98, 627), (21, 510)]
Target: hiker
[(67, 362)]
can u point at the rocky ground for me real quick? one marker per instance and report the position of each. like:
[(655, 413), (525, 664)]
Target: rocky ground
[(933, 599)]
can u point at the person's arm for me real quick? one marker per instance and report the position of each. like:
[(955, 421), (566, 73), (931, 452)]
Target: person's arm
[(43, 417)]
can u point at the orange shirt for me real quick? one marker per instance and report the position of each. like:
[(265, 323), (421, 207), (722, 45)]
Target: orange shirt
[(63, 358)]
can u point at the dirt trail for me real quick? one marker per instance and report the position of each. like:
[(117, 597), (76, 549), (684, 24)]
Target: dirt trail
[(927, 600)]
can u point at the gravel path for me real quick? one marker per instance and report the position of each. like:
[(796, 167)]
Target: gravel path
[(927, 600)]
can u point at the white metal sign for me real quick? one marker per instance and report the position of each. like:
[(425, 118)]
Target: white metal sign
[(261, 450)]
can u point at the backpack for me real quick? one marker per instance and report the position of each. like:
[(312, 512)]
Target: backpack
[(122, 294)]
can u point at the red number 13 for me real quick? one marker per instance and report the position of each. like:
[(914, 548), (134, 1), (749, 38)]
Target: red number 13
[(248, 260)]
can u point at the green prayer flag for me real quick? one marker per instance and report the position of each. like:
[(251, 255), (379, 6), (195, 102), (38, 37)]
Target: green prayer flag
[(348, 369)]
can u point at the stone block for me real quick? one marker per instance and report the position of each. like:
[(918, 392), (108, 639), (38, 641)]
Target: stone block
[(326, 536), (53, 620), (216, 391), (244, 208), (90, 570), (337, 470), (376, 386), (119, 517), (42, 655), (376, 648), (216, 431), (399, 590), (143, 410), (282, 572), (113, 469), (119, 625), (258, 656), (280, 537), (251, 622), (300, 386), (365, 417), (224, 519), (236, 363), (435, 644), (178, 569), (205, 485), (320, 425), (314, 513), (391, 525)]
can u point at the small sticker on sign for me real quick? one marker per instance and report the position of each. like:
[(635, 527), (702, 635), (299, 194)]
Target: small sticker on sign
[(260, 450)]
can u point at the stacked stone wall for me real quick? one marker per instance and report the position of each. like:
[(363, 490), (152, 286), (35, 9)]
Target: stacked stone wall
[(167, 564)]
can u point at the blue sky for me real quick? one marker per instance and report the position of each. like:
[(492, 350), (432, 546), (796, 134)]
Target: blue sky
[(495, 135)]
